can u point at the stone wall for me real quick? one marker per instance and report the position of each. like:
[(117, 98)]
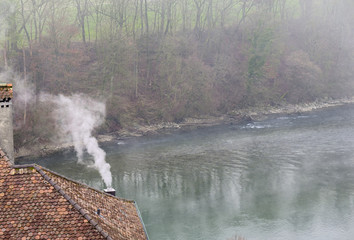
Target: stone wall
[(6, 130)]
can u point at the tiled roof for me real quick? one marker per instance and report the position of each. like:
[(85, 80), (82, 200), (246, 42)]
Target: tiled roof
[(120, 218), (36, 203), (5, 92)]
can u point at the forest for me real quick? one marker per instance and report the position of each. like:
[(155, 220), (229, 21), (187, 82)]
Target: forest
[(157, 61)]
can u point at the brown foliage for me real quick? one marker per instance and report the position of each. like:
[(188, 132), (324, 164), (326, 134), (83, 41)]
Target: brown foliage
[(153, 66), (302, 78)]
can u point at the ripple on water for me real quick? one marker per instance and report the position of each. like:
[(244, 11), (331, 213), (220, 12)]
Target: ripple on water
[(291, 179)]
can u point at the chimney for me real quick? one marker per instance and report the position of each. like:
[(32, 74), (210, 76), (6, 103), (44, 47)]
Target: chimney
[(110, 190), (6, 128)]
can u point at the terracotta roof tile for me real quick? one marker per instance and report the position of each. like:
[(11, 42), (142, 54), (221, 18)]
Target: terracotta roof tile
[(5, 92), (119, 218), (39, 204)]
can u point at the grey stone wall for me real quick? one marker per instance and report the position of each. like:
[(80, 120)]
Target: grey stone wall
[(6, 130)]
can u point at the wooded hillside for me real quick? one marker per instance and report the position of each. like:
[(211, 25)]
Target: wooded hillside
[(165, 60)]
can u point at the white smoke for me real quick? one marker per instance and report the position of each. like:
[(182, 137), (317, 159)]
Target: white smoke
[(24, 92), (23, 89), (77, 116)]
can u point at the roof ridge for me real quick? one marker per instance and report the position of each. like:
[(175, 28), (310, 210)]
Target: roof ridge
[(92, 188), (72, 202)]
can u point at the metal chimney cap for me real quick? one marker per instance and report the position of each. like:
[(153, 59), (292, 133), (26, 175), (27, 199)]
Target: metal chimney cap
[(110, 190)]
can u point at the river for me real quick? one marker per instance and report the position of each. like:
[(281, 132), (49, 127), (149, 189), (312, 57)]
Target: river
[(288, 177)]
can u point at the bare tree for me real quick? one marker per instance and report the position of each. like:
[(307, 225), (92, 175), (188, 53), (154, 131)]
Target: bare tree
[(186, 15), (39, 12), (146, 17), (25, 82), (82, 13), (24, 22), (306, 8), (199, 4), (224, 10), (135, 19), (246, 6)]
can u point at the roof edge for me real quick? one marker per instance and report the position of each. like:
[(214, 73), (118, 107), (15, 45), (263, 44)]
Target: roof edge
[(94, 189), (66, 178), (141, 220), (69, 199), (40, 169), (4, 156), (24, 165)]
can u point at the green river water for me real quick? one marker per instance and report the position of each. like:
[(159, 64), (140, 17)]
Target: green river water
[(289, 177)]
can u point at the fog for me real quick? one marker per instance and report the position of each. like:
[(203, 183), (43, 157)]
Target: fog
[(119, 67), (291, 177)]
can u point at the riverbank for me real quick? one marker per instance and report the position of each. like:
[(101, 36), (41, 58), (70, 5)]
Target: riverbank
[(238, 116)]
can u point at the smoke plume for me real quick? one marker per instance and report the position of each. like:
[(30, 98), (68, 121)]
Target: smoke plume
[(76, 117), (23, 90)]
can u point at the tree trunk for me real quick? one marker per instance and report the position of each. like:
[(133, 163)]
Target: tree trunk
[(35, 20), (135, 17), (141, 18), (146, 18), (136, 78), (163, 10), (25, 82), (83, 29), (5, 55), (88, 29)]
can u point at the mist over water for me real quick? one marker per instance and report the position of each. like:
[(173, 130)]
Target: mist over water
[(290, 177)]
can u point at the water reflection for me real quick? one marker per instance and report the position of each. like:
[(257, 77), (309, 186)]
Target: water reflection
[(293, 179)]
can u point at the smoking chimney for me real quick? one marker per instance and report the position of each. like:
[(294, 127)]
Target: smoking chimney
[(111, 191), (6, 128)]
